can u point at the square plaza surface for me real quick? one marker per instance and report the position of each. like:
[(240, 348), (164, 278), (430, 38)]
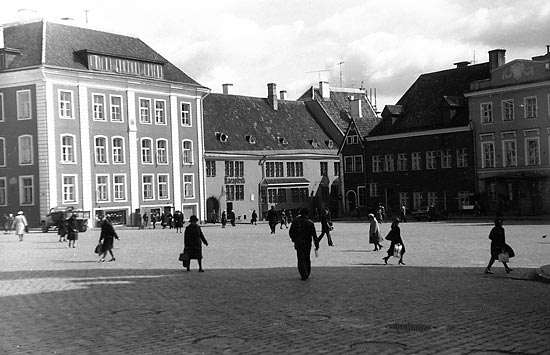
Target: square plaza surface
[(250, 300)]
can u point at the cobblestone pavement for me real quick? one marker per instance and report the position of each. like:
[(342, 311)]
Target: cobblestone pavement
[(250, 300)]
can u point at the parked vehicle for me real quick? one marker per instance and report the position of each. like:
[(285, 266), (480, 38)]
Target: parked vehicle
[(51, 220), (424, 213)]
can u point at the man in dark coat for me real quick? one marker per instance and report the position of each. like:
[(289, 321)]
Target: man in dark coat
[(326, 226), (302, 233), (272, 219)]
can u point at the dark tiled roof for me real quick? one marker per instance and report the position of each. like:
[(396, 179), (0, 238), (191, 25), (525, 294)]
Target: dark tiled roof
[(338, 107), (241, 117), (62, 41), (423, 105)]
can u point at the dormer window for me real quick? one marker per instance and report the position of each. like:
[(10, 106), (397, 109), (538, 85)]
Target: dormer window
[(330, 143), (282, 140), (313, 143), (222, 137), (251, 139), (132, 66)]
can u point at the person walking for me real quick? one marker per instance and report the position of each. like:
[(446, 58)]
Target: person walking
[(394, 236), (374, 233), (62, 229), (193, 238), (145, 221), (20, 225), (272, 219), (72, 230), (326, 226), (302, 233), (154, 220), (232, 217), (403, 214), (283, 219), (224, 219), (106, 238), (499, 246), (254, 219), (6, 223), (179, 221)]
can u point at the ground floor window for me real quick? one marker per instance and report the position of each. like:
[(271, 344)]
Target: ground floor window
[(417, 200), (432, 198), (463, 199), (404, 199), (362, 193)]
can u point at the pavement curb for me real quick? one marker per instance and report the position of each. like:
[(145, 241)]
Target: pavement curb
[(543, 274)]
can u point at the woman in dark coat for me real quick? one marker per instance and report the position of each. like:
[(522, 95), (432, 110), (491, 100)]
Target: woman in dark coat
[(192, 242), (394, 236), (107, 237), (72, 231), (498, 246)]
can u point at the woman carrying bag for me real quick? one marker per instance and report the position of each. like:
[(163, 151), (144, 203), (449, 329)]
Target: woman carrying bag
[(106, 239), (499, 249), (394, 236)]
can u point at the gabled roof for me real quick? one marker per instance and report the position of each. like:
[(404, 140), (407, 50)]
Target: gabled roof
[(338, 107), (241, 119), (62, 42), (421, 104)]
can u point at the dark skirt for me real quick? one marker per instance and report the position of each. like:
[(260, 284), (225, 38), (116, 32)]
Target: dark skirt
[(107, 244), (497, 248)]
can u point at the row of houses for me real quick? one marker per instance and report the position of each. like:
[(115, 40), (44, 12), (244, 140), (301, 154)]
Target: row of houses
[(101, 122)]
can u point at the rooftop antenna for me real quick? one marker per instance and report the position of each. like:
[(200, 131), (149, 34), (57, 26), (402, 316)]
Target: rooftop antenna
[(318, 72), (86, 12), (340, 64)]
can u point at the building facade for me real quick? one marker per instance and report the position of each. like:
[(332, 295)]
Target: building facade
[(510, 113), (267, 152), (96, 121)]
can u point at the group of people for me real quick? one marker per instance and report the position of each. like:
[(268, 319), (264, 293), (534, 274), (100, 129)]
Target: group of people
[(172, 221), (67, 230)]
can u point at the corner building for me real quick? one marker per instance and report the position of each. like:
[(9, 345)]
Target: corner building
[(95, 121)]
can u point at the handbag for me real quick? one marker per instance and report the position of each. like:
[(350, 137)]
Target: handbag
[(98, 248), (397, 250), (184, 258), (503, 257)]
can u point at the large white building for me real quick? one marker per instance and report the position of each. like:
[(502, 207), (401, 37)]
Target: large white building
[(96, 121)]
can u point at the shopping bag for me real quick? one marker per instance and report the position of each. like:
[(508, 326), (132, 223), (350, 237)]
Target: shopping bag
[(184, 258), (503, 257), (397, 250), (98, 248)]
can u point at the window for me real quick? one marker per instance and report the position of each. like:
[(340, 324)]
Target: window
[(188, 188), (294, 169), (147, 187), (532, 152), (119, 187), (492, 192), (274, 169), (324, 168), (116, 108), (162, 151), (98, 107), (348, 164), (486, 113), (362, 195), (185, 114), (432, 198), (160, 115), (68, 149), (234, 168), (416, 161), (145, 111), (401, 162), (272, 195), (24, 105), (336, 168), (463, 199), (187, 152), (446, 159), (146, 153), (25, 150), (462, 157), (118, 150), (100, 150), (65, 104), (352, 139), (404, 199), (376, 164), (1, 107), (358, 163), (430, 160), (509, 153), (487, 154), (210, 168), (530, 104), (417, 200), (162, 187), (68, 188), (373, 189), (3, 191), (2, 152), (388, 162), (236, 193), (102, 188), (507, 110), (298, 194)]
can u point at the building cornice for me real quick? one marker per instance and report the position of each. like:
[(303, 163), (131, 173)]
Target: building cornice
[(508, 88), (419, 133)]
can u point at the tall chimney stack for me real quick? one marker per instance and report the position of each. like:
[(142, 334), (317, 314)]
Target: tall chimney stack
[(324, 89), (226, 88), (497, 58), (272, 95), (355, 108), (282, 94)]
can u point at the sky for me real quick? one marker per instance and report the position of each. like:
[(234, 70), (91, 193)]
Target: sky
[(382, 46)]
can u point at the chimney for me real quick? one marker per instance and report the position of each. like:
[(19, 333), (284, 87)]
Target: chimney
[(496, 58), (226, 88), (282, 94), (1, 36), (324, 89), (462, 64), (272, 95), (356, 111)]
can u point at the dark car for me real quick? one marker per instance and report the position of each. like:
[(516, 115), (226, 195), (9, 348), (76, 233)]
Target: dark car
[(51, 220)]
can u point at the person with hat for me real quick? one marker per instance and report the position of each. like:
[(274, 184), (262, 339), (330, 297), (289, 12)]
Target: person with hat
[(72, 230), (302, 232), (20, 225), (193, 238), (394, 236), (106, 238), (498, 247)]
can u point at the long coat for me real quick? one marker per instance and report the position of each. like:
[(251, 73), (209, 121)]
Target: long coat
[(498, 243), (192, 241), (394, 236), (107, 236), (19, 223), (374, 232)]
